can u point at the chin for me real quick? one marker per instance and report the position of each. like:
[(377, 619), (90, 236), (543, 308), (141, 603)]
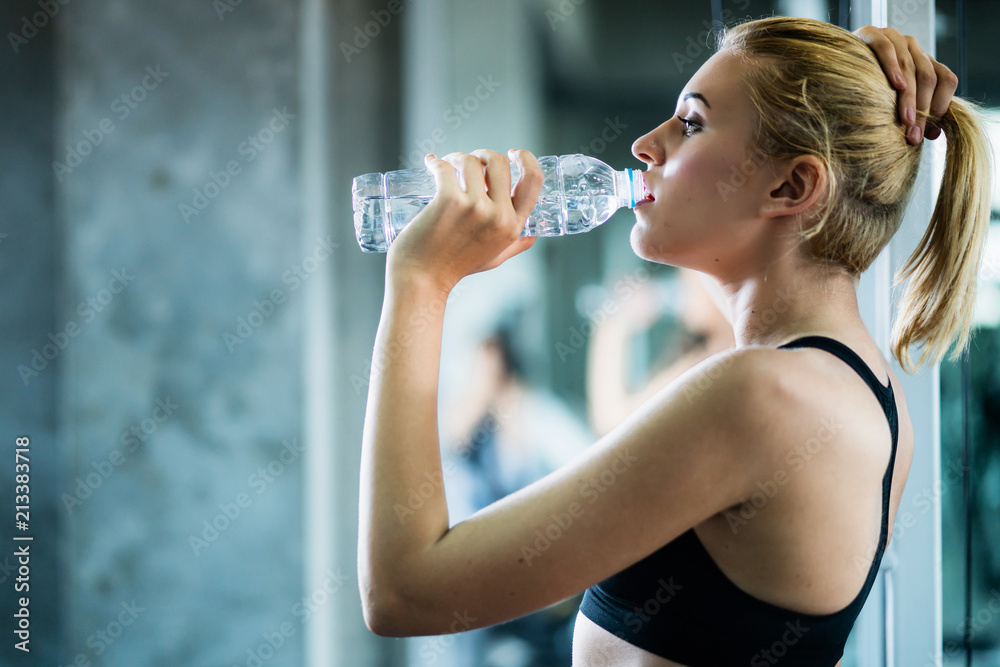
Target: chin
[(663, 250), (647, 248)]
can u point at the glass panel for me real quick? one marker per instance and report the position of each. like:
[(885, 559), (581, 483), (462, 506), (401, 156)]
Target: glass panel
[(970, 396)]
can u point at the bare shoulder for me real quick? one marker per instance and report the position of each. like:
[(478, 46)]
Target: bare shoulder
[(777, 398)]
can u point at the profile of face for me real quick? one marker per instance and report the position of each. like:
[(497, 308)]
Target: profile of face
[(708, 213)]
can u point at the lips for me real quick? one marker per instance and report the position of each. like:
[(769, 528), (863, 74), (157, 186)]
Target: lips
[(646, 191)]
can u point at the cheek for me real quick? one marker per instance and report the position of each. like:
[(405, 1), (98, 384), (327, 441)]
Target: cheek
[(698, 206)]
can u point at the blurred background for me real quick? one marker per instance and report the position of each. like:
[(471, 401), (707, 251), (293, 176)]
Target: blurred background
[(188, 320)]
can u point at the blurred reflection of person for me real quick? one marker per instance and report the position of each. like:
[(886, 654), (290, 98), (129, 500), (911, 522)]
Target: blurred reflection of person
[(705, 331), (503, 435)]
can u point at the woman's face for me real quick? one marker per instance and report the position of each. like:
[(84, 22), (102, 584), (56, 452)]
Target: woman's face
[(707, 186)]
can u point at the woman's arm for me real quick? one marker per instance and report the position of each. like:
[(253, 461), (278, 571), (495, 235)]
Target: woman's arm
[(677, 459)]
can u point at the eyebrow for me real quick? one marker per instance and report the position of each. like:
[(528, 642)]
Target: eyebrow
[(697, 96)]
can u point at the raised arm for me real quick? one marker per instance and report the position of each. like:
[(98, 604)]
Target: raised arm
[(682, 458)]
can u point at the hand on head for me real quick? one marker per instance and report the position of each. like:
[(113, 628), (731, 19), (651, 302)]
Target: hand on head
[(925, 86)]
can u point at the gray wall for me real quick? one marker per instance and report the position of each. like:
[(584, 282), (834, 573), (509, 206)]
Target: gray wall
[(151, 421)]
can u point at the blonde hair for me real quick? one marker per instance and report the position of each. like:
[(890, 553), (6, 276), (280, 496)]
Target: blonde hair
[(817, 89)]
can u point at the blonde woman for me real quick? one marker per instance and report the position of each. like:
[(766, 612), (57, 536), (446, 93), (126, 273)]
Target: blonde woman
[(740, 515)]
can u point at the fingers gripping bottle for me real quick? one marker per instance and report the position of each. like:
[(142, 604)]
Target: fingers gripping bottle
[(578, 194)]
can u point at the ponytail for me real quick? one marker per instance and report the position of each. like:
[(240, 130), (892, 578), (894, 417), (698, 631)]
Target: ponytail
[(936, 308)]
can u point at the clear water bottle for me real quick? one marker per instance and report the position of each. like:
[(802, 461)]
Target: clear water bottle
[(578, 194)]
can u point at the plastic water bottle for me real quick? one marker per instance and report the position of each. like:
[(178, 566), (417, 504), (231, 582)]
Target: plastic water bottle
[(578, 194)]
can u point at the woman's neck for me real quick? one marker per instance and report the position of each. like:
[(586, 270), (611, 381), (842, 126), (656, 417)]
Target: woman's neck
[(790, 299)]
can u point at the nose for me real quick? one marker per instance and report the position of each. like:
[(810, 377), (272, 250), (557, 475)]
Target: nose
[(649, 148)]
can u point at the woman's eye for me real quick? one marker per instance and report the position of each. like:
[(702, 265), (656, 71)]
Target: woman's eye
[(690, 127)]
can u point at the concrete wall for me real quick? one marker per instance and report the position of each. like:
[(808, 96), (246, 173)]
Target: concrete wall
[(154, 231), (192, 198)]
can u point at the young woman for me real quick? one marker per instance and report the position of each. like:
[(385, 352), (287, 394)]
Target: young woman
[(740, 515)]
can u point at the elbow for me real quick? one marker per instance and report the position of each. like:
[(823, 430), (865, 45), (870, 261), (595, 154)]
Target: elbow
[(380, 622), (381, 612)]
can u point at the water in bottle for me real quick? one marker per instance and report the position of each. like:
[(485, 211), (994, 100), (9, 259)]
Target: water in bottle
[(578, 193)]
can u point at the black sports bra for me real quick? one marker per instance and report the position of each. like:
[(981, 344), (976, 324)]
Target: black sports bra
[(678, 604)]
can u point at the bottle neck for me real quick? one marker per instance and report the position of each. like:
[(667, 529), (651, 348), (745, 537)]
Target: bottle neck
[(630, 187)]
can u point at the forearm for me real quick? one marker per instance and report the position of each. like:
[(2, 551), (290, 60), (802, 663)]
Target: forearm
[(400, 458)]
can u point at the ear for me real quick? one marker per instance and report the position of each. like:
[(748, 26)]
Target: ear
[(799, 184)]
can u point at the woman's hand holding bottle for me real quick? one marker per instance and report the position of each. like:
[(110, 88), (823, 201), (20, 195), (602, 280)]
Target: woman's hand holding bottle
[(465, 231)]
